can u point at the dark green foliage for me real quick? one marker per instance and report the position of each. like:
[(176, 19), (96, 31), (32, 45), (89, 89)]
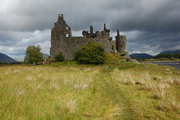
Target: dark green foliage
[(33, 55), (91, 53), (168, 55), (59, 57)]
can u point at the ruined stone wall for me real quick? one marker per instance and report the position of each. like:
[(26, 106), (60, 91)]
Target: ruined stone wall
[(69, 45), (62, 40), (72, 44), (58, 33)]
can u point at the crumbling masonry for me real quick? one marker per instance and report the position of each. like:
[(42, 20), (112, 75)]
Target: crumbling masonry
[(63, 41)]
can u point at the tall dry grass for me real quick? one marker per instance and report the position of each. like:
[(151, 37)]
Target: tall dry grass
[(111, 92), (45, 92)]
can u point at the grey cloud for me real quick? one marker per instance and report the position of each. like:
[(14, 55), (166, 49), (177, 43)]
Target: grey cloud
[(154, 42), (126, 14), (150, 25), (157, 16)]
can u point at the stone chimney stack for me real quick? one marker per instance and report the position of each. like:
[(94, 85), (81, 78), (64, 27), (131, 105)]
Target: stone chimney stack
[(91, 29), (105, 27), (118, 34)]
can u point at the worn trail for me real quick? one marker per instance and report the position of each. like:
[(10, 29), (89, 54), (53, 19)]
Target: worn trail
[(118, 96)]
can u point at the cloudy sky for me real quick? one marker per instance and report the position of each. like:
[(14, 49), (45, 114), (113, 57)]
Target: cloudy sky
[(151, 26)]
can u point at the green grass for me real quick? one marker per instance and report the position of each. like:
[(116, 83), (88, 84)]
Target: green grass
[(68, 91), (161, 60)]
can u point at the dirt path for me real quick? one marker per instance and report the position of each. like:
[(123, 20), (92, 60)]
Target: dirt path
[(118, 96)]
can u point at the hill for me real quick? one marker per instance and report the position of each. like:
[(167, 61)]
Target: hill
[(171, 52), (6, 59), (141, 55)]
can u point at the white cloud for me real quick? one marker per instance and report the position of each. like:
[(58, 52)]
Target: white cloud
[(23, 39)]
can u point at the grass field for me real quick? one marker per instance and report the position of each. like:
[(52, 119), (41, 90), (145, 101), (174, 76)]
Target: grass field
[(63, 91)]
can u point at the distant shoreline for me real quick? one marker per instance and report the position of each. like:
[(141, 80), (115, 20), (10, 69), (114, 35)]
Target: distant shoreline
[(175, 64)]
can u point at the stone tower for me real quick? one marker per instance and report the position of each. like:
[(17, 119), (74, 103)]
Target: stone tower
[(60, 31), (120, 43)]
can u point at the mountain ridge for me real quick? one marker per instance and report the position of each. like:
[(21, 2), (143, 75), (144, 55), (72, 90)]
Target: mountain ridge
[(170, 52), (6, 59), (141, 55)]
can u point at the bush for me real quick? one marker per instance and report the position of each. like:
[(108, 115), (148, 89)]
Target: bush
[(91, 53), (59, 57), (33, 55)]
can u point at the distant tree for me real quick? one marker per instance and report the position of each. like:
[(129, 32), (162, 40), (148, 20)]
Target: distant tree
[(59, 57), (33, 55), (91, 53)]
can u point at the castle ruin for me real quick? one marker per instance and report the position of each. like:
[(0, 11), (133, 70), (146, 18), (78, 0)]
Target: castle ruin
[(63, 41)]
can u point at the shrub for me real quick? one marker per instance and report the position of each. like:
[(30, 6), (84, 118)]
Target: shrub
[(59, 57), (91, 53), (33, 55)]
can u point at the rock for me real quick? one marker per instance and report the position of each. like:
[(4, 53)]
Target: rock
[(129, 59)]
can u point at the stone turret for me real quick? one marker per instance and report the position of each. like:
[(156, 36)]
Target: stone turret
[(120, 43)]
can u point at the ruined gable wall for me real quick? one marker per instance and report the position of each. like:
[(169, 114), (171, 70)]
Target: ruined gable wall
[(56, 42)]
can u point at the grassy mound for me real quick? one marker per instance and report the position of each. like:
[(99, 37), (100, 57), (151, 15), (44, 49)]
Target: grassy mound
[(113, 58)]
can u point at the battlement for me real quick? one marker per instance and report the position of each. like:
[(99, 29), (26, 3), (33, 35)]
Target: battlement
[(98, 34)]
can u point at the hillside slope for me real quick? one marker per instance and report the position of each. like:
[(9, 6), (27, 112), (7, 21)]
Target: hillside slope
[(170, 52), (141, 55), (6, 59)]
